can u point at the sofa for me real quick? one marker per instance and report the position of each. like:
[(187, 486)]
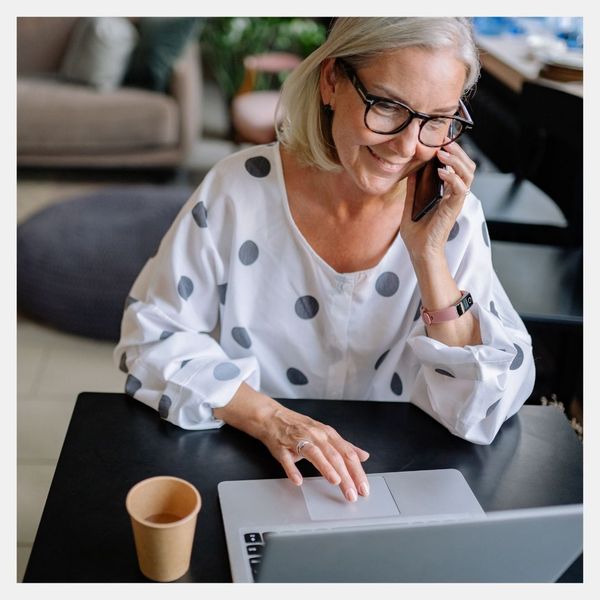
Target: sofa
[(65, 121)]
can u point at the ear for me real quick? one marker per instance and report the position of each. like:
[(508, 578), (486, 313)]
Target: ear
[(327, 81)]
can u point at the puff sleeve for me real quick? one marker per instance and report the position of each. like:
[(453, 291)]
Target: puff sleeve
[(172, 361), (472, 390)]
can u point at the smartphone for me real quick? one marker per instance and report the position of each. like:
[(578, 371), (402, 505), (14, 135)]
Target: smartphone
[(429, 189)]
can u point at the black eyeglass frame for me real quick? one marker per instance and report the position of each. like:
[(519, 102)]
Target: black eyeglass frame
[(370, 100)]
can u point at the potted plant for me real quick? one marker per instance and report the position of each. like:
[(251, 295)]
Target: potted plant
[(225, 41)]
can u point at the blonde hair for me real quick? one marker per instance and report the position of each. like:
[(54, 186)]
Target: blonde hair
[(305, 124)]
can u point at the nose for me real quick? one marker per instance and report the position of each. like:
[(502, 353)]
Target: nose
[(406, 142)]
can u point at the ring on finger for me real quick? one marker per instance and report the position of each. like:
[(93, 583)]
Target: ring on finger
[(301, 445)]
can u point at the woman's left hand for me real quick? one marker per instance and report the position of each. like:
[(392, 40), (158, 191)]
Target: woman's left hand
[(427, 237)]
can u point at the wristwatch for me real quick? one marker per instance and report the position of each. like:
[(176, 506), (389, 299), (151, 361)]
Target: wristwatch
[(450, 313)]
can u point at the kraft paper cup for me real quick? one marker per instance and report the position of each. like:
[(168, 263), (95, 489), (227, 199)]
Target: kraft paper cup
[(163, 512)]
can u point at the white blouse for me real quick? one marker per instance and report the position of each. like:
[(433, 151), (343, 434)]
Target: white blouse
[(290, 326)]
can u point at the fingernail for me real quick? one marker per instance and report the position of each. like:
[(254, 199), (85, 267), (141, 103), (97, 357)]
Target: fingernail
[(296, 480), (363, 488), (444, 153), (351, 495), (442, 172)]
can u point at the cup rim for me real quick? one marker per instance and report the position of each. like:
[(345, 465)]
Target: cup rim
[(190, 516)]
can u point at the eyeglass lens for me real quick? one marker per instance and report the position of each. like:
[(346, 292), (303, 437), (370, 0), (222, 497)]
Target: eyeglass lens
[(383, 117)]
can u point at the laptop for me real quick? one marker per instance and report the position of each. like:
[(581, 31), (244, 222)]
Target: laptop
[(415, 526)]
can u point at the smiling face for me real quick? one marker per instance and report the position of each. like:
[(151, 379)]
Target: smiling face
[(429, 81)]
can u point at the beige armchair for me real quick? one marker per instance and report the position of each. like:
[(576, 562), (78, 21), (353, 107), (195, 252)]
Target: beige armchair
[(64, 124)]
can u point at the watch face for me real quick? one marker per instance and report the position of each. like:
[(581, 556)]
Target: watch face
[(464, 304)]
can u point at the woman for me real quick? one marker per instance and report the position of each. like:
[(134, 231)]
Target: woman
[(306, 255)]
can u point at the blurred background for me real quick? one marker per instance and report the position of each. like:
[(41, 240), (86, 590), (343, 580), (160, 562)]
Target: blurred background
[(119, 119)]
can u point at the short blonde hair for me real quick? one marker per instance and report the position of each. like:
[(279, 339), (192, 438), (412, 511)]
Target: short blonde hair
[(305, 125)]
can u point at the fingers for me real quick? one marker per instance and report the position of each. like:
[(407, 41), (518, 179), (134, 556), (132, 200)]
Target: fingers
[(363, 455), (288, 462), (339, 462), (458, 176), (353, 460), (456, 188), (459, 162), (324, 465), (336, 459)]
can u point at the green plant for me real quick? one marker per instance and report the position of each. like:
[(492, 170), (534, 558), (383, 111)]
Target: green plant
[(225, 41)]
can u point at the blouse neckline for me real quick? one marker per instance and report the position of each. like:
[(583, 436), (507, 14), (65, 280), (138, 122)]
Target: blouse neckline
[(352, 275)]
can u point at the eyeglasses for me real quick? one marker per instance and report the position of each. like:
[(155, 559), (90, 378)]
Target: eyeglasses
[(386, 116)]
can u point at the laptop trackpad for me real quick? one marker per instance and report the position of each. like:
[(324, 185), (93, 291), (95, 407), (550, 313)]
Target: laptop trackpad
[(326, 501)]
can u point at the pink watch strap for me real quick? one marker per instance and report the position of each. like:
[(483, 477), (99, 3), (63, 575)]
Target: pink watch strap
[(448, 314)]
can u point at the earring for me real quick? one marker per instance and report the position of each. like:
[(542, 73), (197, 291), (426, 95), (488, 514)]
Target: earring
[(328, 109)]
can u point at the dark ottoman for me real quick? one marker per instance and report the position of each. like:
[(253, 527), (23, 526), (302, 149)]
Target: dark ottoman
[(77, 260)]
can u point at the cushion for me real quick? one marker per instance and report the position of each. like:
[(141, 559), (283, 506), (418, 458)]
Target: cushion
[(99, 51), (77, 260), (33, 56), (58, 118), (162, 41)]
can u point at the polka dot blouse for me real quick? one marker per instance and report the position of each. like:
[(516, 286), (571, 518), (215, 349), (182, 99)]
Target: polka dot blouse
[(236, 294)]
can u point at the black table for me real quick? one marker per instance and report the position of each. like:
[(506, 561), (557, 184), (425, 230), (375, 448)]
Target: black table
[(114, 441)]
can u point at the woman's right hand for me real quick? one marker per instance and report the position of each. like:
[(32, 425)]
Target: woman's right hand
[(281, 429)]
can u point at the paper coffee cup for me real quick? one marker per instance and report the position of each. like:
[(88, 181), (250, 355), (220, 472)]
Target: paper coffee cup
[(163, 512)]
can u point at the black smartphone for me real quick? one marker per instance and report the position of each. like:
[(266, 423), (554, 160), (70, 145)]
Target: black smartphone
[(429, 189)]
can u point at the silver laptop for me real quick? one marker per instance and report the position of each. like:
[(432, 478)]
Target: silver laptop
[(415, 526)]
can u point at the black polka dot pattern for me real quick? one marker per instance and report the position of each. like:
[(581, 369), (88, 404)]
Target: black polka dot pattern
[(485, 233), (241, 336), (454, 231), (296, 377), (492, 408), (444, 372), (418, 313), (132, 385), (306, 307), (396, 384), (129, 301), (123, 363), (518, 359), (163, 406), (493, 309), (222, 290), (185, 287), (258, 166), (248, 252), (166, 334), (200, 214), (185, 362), (381, 359), (387, 284), (226, 371)]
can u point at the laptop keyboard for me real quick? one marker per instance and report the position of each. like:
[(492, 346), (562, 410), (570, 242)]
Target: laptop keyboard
[(254, 545)]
